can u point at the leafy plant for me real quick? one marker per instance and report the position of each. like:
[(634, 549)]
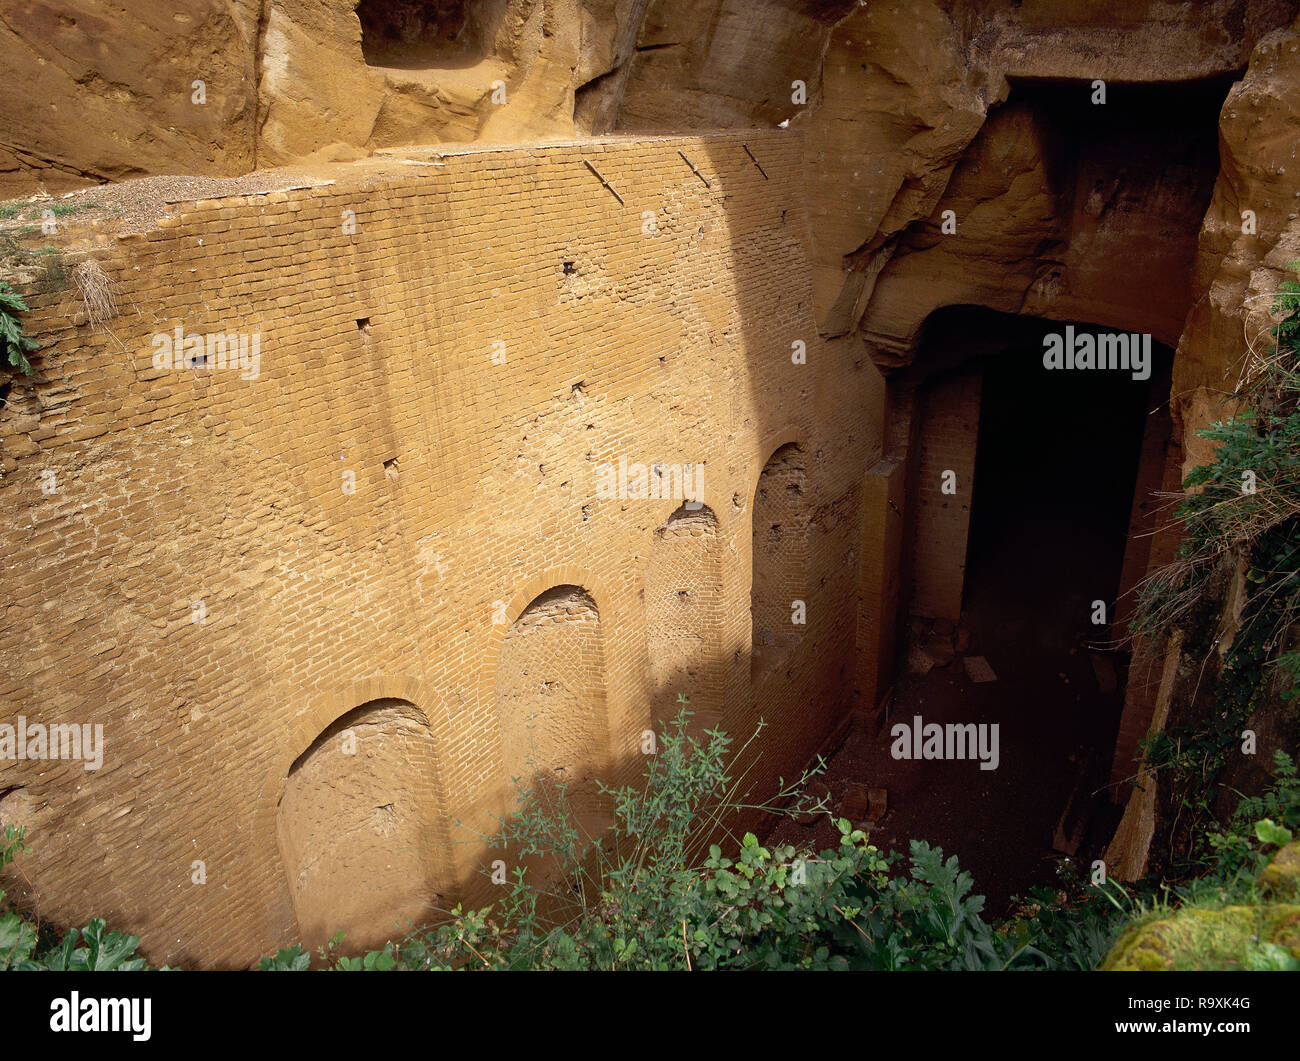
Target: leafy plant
[(24, 946), (1076, 928), (15, 342), (1242, 513), (1236, 853), (666, 885), (289, 960)]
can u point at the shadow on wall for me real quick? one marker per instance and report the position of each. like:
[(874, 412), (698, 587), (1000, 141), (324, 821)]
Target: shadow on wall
[(592, 661), (780, 560), (729, 665), (550, 699), (349, 824), (684, 611)]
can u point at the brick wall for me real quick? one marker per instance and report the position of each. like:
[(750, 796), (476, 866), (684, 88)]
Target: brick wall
[(881, 583), (684, 608), (947, 436), (780, 537), (351, 812), (226, 566)]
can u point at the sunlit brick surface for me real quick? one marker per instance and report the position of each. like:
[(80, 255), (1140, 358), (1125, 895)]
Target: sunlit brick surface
[(684, 609), (550, 688), (350, 813), (471, 410)]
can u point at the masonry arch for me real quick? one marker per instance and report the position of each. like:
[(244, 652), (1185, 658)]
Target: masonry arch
[(549, 688), (353, 831), (779, 558), (684, 617)]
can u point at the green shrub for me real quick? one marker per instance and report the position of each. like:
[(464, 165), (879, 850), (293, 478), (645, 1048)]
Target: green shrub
[(1245, 510), (25, 946), (652, 892), (15, 342)]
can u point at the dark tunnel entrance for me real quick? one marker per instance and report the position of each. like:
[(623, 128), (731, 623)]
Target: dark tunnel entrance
[(1014, 584), (1055, 470), (1010, 497), (1065, 468), (1057, 464)]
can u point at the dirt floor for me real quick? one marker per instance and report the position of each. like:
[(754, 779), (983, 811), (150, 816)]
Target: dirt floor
[(1053, 721)]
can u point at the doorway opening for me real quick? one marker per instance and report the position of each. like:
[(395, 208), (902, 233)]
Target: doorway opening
[(1017, 572), (423, 34)]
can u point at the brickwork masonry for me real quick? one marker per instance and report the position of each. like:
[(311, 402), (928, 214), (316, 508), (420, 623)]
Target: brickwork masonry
[(218, 563)]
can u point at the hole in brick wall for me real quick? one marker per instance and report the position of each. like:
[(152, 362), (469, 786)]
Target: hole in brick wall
[(569, 269), (6, 802), (363, 325), (418, 34), (576, 391), (390, 468)]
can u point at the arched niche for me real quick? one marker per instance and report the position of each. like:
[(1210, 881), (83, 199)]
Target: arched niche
[(780, 556), (683, 604), (351, 827), (549, 690)]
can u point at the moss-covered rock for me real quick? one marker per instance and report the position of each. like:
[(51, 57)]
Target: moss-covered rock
[(1235, 937), (1280, 881), (1261, 936)]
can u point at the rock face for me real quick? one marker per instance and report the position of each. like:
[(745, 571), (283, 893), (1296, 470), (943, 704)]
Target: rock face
[(342, 77), (895, 93), (96, 92), (725, 63), (1250, 232)]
